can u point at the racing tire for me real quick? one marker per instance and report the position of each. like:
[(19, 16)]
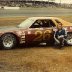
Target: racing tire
[(69, 39), (8, 41)]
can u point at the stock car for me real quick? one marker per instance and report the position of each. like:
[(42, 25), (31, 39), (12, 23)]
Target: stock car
[(33, 30)]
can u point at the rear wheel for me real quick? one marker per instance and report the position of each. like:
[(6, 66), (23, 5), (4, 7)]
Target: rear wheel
[(69, 39), (8, 41)]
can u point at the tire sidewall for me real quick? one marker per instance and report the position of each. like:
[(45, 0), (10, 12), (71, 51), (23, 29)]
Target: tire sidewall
[(68, 35), (14, 41)]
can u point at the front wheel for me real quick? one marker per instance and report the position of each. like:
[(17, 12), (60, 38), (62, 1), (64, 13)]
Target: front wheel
[(69, 39), (8, 41)]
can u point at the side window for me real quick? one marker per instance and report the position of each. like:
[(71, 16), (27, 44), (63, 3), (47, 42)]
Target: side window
[(37, 24), (48, 23), (43, 23)]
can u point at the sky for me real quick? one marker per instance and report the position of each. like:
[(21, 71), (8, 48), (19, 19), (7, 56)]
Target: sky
[(58, 1), (64, 1)]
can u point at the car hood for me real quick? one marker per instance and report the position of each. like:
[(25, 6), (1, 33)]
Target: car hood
[(7, 28)]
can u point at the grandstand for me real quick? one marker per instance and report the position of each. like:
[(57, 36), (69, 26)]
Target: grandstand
[(33, 3), (22, 3)]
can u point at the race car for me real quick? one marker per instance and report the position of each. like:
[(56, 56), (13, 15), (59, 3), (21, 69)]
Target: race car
[(33, 30)]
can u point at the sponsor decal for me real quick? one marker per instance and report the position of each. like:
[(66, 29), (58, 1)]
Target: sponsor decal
[(29, 32), (22, 36), (21, 32), (70, 28)]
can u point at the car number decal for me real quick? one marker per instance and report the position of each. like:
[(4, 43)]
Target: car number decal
[(42, 35), (38, 35), (46, 35)]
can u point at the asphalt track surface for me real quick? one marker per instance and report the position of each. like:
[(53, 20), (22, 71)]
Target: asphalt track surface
[(36, 12)]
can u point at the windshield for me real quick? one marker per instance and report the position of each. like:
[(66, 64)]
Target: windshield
[(26, 24)]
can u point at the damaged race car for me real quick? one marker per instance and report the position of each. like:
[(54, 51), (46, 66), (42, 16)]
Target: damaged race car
[(33, 30)]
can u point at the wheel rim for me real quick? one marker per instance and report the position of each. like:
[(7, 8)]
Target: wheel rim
[(8, 41), (69, 39)]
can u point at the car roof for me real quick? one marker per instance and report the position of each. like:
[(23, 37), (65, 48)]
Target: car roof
[(35, 18)]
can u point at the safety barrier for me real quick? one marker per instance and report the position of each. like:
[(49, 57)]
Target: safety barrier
[(15, 8), (0, 7)]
